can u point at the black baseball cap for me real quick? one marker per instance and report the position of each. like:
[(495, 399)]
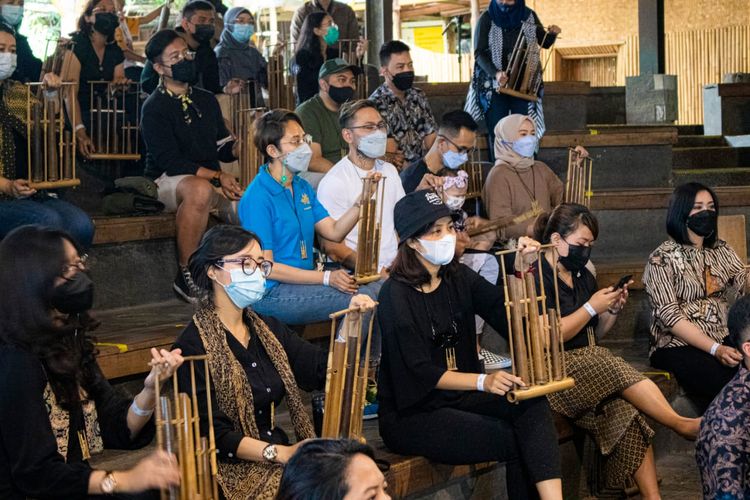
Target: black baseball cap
[(337, 65), (416, 210)]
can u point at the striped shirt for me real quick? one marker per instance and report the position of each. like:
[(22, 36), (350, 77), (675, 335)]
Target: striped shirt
[(685, 282)]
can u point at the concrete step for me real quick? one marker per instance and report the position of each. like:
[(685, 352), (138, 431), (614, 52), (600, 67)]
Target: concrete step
[(710, 157), (729, 176), (692, 141)]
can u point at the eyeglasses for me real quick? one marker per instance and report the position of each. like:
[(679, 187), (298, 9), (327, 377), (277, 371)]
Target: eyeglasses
[(249, 265), (372, 127), (186, 54), (460, 149), (307, 139), (69, 269)]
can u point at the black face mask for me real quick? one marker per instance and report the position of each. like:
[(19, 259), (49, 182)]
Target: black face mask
[(403, 81), (703, 223), (203, 33), (106, 23), (578, 256), (74, 296), (340, 94), (184, 71)]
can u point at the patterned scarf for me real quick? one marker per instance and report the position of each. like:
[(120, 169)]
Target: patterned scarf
[(59, 420), (185, 101), (12, 122), (234, 397)]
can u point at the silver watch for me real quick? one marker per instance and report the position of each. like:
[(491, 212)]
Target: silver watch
[(270, 453), (108, 484)]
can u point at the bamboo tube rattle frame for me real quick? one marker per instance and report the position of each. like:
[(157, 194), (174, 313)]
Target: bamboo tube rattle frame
[(369, 231), (578, 181), (535, 338), (51, 149), (346, 375), (178, 432), (525, 81), (115, 131)]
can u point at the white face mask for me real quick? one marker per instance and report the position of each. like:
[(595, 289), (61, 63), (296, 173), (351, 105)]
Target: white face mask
[(439, 252), (373, 145), (7, 64), (298, 160), (454, 202)]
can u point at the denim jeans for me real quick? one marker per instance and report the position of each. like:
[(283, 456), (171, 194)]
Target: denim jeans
[(46, 211), (302, 304)]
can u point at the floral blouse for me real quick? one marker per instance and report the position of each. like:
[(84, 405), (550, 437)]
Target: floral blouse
[(685, 282), (723, 445)]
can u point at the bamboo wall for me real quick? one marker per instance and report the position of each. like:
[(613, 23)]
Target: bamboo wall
[(700, 57)]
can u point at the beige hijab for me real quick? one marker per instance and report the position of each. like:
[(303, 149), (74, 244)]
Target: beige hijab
[(506, 131)]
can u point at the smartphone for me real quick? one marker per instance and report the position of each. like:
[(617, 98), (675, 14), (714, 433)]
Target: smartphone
[(623, 281)]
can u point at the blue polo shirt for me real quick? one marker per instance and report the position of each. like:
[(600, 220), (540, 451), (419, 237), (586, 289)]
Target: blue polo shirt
[(281, 223)]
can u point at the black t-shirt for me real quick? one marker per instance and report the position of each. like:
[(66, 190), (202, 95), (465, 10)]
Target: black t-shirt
[(30, 465), (412, 175), (306, 67), (308, 363), (92, 70), (177, 147), (412, 363), (29, 67), (571, 299)]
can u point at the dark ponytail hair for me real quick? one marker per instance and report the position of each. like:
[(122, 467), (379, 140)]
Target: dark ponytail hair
[(217, 243), (564, 219), (32, 259)]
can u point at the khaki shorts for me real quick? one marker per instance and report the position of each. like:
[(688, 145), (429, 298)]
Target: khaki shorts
[(219, 206)]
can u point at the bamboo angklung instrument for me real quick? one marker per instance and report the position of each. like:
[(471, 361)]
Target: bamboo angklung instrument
[(578, 182), (501, 223), (524, 68), (178, 432), (164, 16), (50, 148), (536, 343), (346, 376), (369, 231), (475, 181), (114, 111), (242, 112), (280, 83), (348, 52)]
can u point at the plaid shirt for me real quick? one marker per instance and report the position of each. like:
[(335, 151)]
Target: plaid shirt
[(409, 121)]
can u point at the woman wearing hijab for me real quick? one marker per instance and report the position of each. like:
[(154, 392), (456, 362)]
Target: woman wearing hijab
[(238, 57), (496, 34), (518, 183)]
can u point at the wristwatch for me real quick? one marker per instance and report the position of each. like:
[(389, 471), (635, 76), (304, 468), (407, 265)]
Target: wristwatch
[(108, 484), (270, 453)]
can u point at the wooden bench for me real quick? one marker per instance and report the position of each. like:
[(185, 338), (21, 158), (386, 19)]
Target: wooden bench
[(137, 228)]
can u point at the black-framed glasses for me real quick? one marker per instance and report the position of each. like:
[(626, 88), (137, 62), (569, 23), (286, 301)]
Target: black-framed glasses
[(80, 265), (185, 54), (249, 265), (371, 127), (470, 151)]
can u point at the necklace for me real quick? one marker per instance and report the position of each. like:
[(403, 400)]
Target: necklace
[(446, 339), (531, 192)]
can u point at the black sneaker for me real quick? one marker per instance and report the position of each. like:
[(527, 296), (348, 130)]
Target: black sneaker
[(183, 286)]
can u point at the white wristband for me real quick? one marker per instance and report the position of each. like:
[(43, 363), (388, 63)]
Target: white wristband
[(140, 412), (480, 382), (79, 127), (326, 278), (589, 309), (714, 348)]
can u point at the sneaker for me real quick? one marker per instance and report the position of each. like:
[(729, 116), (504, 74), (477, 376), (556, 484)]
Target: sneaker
[(371, 411), (183, 286), (494, 361)]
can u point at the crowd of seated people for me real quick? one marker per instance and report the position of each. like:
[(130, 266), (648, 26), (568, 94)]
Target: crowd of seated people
[(284, 253)]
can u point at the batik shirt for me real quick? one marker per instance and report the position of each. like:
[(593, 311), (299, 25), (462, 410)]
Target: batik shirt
[(409, 121), (685, 282), (723, 446)]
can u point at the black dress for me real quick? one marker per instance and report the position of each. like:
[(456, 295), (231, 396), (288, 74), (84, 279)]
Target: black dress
[(93, 70), (308, 363), (455, 427), (30, 465)]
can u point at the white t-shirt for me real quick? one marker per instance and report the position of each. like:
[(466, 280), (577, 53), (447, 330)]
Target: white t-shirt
[(341, 187)]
